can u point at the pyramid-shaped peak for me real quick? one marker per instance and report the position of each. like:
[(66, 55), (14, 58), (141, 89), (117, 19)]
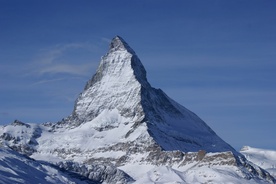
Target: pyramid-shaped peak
[(118, 43), (120, 64), (120, 91)]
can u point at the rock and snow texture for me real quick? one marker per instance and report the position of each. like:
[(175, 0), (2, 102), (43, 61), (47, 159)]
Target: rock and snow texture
[(16, 168), (264, 158), (120, 93), (122, 129)]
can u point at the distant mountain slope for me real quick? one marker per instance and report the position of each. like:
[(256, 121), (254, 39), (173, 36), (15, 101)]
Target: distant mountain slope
[(264, 158)]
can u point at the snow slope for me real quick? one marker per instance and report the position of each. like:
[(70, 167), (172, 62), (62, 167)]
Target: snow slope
[(17, 168), (215, 168), (264, 158)]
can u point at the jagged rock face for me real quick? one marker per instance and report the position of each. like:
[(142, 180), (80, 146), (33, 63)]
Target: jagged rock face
[(116, 85), (97, 173)]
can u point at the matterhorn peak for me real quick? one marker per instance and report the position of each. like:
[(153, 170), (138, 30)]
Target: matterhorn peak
[(120, 64), (117, 84), (118, 43), (120, 89)]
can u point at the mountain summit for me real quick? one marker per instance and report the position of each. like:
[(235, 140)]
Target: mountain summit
[(122, 130), (119, 43)]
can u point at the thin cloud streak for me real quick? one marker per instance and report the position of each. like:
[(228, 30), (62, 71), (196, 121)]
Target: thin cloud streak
[(82, 70), (106, 40), (50, 55), (54, 80), (47, 81), (55, 60)]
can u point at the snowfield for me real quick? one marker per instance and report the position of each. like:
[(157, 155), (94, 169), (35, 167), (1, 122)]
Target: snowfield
[(264, 158), (17, 168)]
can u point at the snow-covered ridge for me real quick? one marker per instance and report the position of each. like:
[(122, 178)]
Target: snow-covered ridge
[(119, 43), (17, 168), (264, 158)]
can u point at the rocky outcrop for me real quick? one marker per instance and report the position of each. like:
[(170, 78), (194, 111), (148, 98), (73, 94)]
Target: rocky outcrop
[(97, 173)]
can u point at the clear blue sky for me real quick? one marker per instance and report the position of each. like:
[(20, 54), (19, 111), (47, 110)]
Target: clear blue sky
[(217, 58)]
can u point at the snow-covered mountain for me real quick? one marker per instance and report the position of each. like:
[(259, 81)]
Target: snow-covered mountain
[(261, 157), (141, 135), (119, 97), (17, 168)]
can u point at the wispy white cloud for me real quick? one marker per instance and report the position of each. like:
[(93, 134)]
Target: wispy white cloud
[(47, 81), (73, 69), (107, 40), (64, 59), (60, 49)]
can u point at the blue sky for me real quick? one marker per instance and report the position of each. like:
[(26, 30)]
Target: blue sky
[(217, 58)]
